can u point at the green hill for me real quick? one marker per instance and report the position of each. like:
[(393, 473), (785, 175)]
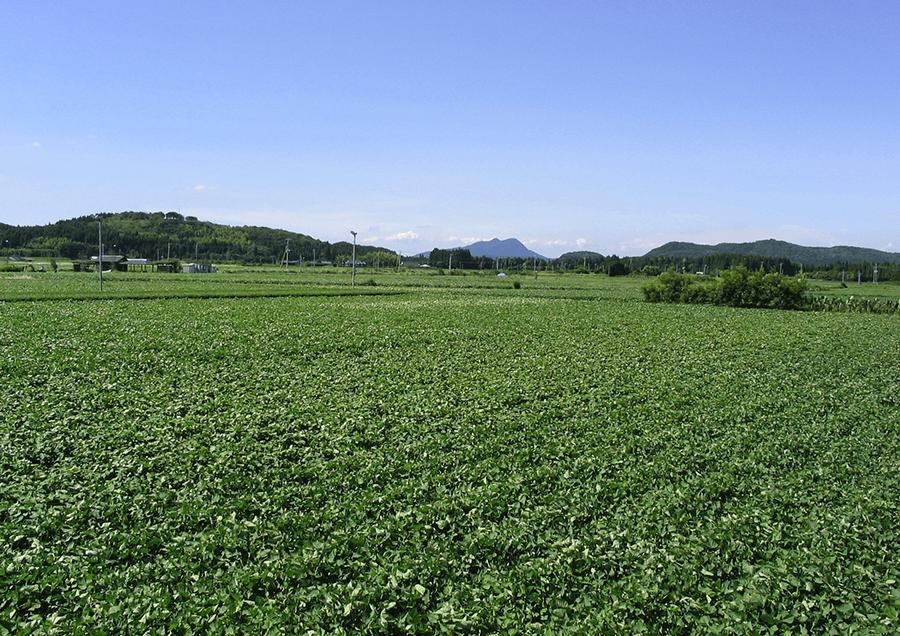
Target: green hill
[(777, 249), (158, 236)]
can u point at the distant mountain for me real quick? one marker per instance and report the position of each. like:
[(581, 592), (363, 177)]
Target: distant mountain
[(509, 248), (495, 248), (777, 249)]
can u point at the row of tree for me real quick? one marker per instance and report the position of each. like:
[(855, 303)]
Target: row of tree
[(713, 264), (170, 235)]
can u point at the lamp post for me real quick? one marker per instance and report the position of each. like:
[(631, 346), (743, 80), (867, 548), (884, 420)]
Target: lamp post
[(353, 262)]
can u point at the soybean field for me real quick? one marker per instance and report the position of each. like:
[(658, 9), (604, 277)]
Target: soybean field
[(453, 458)]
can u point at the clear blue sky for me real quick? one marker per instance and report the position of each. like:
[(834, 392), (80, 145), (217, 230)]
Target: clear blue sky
[(607, 126)]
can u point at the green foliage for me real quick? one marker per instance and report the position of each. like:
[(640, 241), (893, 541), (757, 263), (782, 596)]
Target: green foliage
[(734, 288), (618, 268), (772, 254), (853, 304), (160, 236), (458, 460), (457, 259)]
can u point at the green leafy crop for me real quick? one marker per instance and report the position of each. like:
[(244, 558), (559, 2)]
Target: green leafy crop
[(458, 462)]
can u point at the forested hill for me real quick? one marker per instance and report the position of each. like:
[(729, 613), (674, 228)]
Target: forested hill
[(777, 249), (158, 236)]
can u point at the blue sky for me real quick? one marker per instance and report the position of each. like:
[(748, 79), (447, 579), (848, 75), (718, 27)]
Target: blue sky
[(607, 126)]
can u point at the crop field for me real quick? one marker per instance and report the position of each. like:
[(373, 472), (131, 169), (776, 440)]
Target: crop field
[(444, 455)]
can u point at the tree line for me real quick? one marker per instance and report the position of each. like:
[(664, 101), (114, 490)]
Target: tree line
[(714, 264), (170, 235)]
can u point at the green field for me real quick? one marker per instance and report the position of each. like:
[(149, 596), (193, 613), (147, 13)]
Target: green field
[(260, 452)]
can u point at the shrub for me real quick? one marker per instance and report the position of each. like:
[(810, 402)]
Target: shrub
[(734, 288), (666, 288)]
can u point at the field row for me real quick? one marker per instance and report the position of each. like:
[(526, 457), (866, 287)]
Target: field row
[(237, 281)]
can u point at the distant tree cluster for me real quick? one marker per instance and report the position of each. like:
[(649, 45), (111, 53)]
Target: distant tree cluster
[(458, 259)]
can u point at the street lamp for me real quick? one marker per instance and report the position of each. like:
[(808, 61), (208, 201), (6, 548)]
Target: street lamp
[(353, 262)]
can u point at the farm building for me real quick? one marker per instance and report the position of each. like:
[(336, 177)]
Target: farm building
[(111, 263), (139, 264), (199, 268), (116, 263)]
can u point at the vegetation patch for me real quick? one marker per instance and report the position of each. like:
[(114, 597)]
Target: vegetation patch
[(740, 288), (449, 460), (736, 287)]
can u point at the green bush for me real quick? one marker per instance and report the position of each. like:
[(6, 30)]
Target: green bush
[(734, 288)]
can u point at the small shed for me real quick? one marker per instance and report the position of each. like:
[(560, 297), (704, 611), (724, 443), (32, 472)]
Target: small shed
[(199, 268), (139, 264), (110, 263)]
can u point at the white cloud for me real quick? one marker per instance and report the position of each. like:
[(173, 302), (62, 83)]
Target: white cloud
[(641, 246), (581, 242), (200, 187), (395, 203), (35, 144), (403, 236), (370, 239)]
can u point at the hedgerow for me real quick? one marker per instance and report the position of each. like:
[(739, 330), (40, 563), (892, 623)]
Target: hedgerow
[(736, 287)]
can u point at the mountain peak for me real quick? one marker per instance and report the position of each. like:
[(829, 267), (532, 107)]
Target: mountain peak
[(506, 248), (497, 248)]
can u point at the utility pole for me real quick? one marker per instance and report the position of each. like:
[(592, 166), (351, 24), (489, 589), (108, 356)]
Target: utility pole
[(287, 252), (353, 263), (100, 249)]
